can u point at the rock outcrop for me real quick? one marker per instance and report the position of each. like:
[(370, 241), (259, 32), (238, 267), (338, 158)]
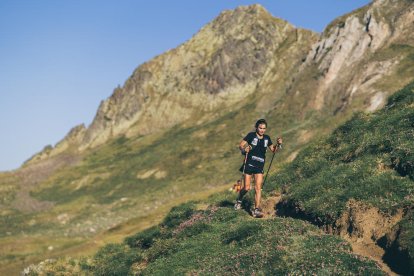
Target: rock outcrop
[(360, 56)]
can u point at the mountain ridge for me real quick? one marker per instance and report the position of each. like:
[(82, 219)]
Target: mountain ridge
[(223, 75), (347, 42)]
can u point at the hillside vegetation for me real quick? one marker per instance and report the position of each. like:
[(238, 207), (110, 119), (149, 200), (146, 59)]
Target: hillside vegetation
[(219, 241), (368, 159), (127, 185)]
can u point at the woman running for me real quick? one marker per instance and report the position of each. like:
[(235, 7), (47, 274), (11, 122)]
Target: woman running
[(254, 146)]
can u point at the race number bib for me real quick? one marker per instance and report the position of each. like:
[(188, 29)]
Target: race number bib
[(254, 142)]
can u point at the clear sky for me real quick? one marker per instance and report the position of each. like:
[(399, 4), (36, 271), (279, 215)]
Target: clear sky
[(59, 59)]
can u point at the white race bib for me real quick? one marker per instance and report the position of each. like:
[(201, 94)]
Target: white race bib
[(254, 142)]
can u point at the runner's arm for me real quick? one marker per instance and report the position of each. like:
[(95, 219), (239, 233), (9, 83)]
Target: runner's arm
[(244, 146), (275, 147)]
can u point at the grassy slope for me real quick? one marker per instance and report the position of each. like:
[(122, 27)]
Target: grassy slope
[(223, 241), (104, 192), (7, 188), (370, 159), (104, 189), (218, 240)]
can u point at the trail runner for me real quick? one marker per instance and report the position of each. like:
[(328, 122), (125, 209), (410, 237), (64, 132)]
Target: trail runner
[(254, 145)]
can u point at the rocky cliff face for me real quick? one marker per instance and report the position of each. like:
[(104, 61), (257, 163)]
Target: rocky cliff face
[(361, 57)]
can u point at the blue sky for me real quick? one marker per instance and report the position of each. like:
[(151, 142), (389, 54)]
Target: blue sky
[(59, 59)]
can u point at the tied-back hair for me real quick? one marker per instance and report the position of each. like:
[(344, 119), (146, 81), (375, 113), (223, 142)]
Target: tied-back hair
[(259, 122)]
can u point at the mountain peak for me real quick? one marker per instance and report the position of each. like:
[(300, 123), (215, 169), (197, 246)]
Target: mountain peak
[(244, 16), (252, 9), (220, 65)]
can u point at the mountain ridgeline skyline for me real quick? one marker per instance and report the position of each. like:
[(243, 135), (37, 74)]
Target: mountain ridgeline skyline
[(248, 51)]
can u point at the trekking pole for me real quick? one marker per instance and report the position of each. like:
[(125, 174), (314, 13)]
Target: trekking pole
[(244, 165), (271, 161)]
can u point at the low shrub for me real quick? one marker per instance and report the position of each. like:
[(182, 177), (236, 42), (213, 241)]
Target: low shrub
[(179, 214), (114, 259), (242, 233), (144, 239)]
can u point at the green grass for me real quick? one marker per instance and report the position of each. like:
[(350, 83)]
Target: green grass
[(8, 183), (189, 167), (321, 180), (104, 190), (219, 240), (186, 159), (370, 158), (354, 162)]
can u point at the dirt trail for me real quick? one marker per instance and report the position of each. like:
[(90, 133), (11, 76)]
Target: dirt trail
[(371, 251), (368, 225), (365, 246), (269, 205)]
